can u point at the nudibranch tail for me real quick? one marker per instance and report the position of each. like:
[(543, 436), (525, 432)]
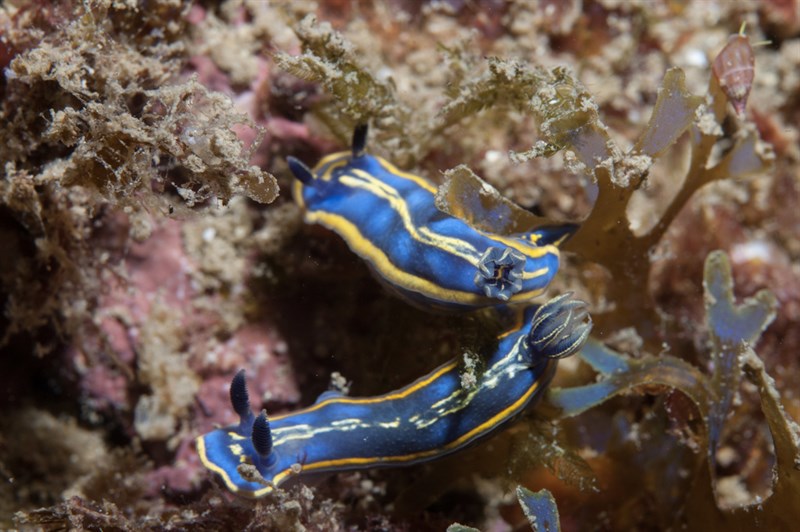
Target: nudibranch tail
[(554, 234), (560, 327)]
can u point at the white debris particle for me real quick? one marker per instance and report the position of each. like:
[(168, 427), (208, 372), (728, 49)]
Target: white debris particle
[(209, 233)]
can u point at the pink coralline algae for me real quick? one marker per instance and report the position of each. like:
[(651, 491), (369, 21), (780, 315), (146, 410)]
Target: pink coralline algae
[(164, 373)]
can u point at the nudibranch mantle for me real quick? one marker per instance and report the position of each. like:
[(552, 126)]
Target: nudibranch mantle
[(430, 258), (430, 418)]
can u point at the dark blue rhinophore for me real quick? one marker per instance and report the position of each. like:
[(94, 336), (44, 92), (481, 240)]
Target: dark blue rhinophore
[(262, 440), (240, 401), (359, 144), (302, 172)]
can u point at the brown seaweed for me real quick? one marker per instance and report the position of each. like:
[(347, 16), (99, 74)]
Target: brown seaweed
[(734, 329)]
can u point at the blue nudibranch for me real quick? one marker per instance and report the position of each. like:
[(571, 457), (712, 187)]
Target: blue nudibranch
[(432, 417), (390, 219)]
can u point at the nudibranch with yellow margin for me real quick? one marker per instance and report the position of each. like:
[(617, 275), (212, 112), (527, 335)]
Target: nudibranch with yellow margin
[(430, 418), (432, 259)]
